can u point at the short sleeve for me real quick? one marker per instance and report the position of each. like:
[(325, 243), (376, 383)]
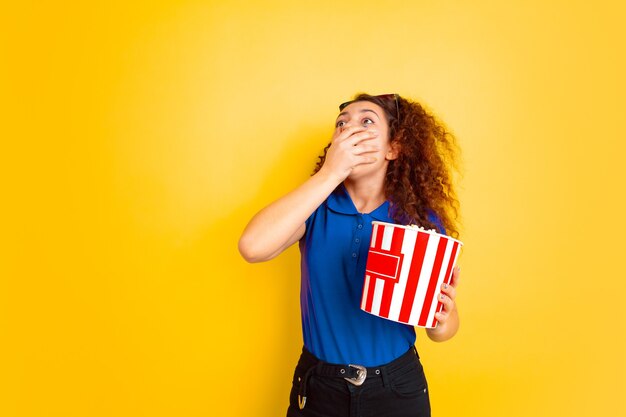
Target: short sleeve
[(434, 219), (309, 221)]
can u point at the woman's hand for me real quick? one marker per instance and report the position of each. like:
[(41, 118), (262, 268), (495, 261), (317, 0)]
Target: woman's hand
[(349, 147), (448, 318), (447, 297)]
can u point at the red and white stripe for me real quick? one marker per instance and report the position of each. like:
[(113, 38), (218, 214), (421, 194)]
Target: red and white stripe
[(404, 272)]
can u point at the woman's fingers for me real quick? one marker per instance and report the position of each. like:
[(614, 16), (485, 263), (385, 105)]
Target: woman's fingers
[(353, 135), (448, 303), (362, 149), (448, 306), (359, 149), (341, 134), (448, 290), (348, 132), (447, 296), (441, 317)]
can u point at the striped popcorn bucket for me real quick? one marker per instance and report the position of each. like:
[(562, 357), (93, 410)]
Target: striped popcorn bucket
[(404, 272)]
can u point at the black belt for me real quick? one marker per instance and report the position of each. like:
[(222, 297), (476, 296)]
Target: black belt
[(354, 374)]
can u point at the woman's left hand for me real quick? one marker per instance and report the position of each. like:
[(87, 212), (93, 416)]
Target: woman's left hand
[(447, 297)]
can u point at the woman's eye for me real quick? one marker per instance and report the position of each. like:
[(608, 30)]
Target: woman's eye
[(367, 121), (340, 123)]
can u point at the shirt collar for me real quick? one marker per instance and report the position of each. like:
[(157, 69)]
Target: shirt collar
[(340, 202)]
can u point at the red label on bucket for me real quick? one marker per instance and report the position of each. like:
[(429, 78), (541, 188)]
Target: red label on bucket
[(383, 264)]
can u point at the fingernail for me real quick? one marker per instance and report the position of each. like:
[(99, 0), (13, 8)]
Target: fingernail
[(445, 286), (441, 296)]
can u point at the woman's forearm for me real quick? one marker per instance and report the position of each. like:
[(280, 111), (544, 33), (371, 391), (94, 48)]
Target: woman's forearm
[(281, 224)]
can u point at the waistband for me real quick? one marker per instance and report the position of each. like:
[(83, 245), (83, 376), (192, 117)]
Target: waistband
[(353, 373)]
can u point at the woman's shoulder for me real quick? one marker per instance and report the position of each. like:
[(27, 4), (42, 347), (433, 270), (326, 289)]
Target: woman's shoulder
[(434, 218)]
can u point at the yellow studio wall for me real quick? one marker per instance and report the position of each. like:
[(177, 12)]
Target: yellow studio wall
[(138, 139)]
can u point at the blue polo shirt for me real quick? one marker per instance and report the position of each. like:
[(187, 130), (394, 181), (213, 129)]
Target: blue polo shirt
[(334, 253)]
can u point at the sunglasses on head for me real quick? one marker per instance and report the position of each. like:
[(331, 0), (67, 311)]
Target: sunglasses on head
[(382, 96)]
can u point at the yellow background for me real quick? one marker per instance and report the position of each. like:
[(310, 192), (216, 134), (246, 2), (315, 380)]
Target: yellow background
[(138, 139)]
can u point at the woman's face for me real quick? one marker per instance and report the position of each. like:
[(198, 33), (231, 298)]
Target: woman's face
[(373, 118)]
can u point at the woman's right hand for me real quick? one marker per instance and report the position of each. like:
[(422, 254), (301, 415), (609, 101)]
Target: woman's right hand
[(349, 148)]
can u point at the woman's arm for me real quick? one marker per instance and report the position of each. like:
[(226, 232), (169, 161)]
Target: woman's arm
[(448, 318), (281, 224)]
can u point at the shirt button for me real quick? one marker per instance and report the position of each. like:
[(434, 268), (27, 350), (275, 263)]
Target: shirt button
[(354, 254), (360, 226), (357, 240)]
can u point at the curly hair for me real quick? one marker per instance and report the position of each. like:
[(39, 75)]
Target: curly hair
[(420, 181)]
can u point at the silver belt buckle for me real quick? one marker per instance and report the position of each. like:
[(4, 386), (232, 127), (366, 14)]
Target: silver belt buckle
[(361, 374)]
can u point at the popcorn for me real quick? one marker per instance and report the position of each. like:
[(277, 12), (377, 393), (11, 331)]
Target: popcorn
[(416, 227), (406, 266)]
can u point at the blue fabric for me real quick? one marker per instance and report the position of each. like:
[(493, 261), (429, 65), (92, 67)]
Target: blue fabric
[(334, 253)]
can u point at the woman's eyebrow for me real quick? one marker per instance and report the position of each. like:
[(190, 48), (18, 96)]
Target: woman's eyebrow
[(364, 110), (343, 113)]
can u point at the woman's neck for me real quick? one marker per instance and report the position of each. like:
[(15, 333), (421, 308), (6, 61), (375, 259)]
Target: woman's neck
[(367, 196)]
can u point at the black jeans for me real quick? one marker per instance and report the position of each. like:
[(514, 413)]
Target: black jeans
[(397, 389)]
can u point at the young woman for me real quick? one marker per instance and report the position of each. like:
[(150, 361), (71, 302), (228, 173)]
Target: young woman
[(389, 160)]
